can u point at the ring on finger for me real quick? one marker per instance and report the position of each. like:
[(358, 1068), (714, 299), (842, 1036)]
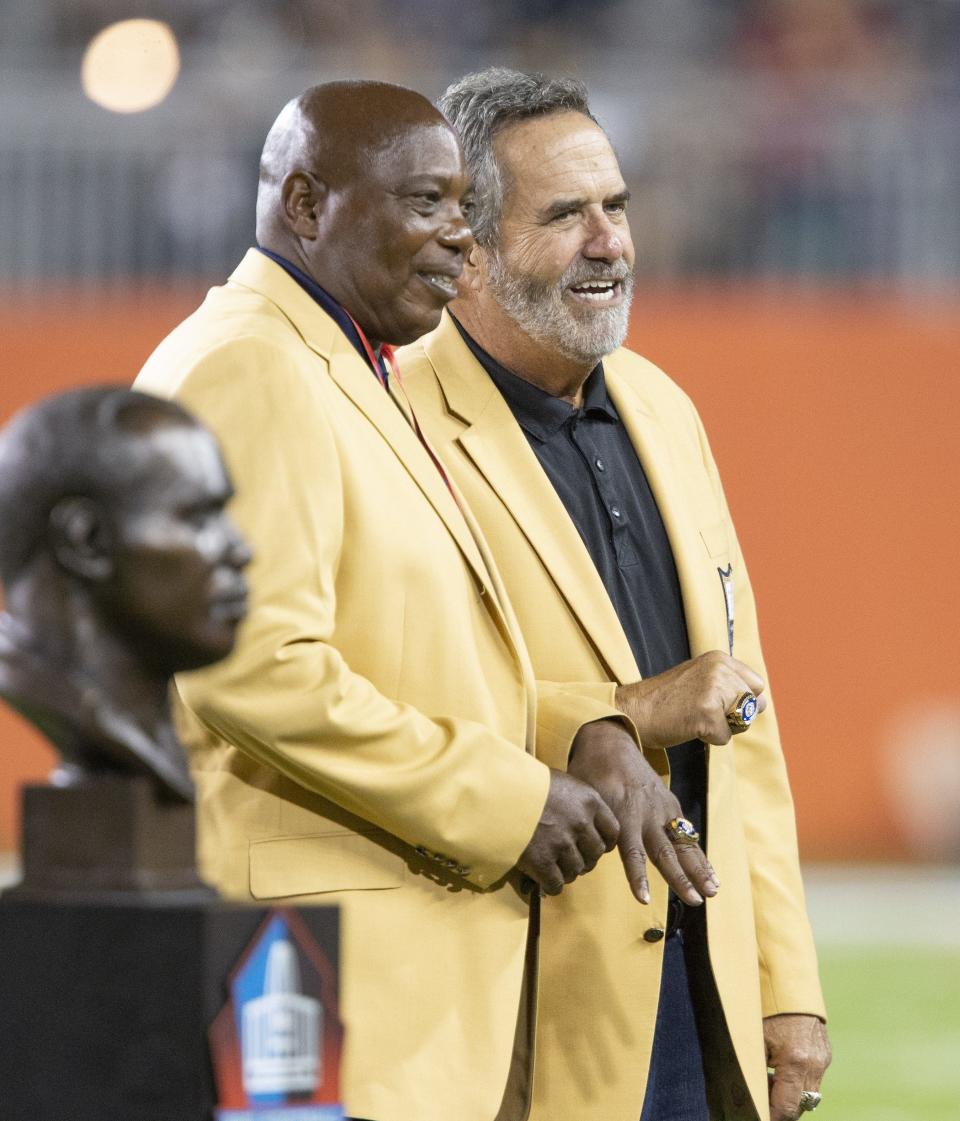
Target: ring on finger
[(809, 1100), (681, 831), (743, 713)]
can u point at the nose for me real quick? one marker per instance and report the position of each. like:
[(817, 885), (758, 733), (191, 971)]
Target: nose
[(456, 234), (238, 553), (605, 239)]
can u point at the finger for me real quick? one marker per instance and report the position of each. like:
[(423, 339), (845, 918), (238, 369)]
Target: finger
[(550, 880), (606, 824), (699, 870), (591, 847), (570, 862), (634, 859), (785, 1090), (718, 731), (664, 856), (761, 707)]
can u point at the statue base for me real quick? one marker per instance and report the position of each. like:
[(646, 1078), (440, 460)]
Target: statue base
[(108, 834), (105, 1007)]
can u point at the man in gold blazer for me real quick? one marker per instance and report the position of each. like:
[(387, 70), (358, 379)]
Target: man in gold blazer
[(555, 452), (377, 739)]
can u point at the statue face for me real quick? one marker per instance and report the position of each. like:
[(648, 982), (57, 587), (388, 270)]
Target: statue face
[(178, 588)]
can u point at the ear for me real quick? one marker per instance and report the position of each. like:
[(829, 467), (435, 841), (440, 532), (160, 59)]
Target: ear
[(471, 279), (302, 197), (81, 540)]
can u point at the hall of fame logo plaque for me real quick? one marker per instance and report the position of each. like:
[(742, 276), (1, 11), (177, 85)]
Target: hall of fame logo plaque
[(276, 1044)]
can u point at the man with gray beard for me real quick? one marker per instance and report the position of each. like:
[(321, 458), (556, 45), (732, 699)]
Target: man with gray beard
[(593, 483)]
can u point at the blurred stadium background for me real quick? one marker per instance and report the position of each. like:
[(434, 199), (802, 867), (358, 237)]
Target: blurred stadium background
[(795, 168)]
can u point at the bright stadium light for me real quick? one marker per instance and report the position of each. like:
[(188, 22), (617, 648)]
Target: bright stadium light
[(131, 65)]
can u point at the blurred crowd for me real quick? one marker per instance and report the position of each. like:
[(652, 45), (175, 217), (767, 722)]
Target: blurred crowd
[(797, 139)]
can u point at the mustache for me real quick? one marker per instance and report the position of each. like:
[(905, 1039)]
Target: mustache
[(580, 272)]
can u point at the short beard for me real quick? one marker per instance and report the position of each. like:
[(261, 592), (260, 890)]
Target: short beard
[(538, 307)]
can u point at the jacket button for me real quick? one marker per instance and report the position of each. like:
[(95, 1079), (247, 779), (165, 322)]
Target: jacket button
[(654, 934)]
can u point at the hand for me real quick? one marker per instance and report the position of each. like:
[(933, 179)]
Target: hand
[(609, 760), (689, 701), (575, 829), (798, 1051)]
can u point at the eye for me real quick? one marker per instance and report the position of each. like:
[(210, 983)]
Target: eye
[(199, 516), (563, 215), (616, 207), (426, 201)]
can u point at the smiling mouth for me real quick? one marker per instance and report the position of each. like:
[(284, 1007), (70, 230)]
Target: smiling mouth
[(599, 292), (440, 282)]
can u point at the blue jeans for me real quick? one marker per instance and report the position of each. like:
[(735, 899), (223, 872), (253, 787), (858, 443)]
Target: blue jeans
[(676, 1087)]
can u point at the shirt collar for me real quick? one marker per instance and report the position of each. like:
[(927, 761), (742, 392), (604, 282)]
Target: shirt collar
[(538, 412), (332, 307)]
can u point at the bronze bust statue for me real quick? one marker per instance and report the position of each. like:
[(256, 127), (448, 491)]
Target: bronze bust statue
[(119, 567)]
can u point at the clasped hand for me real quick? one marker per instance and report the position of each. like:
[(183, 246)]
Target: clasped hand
[(690, 701), (611, 796)]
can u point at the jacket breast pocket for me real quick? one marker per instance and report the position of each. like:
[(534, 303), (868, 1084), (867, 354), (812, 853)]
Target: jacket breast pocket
[(322, 862)]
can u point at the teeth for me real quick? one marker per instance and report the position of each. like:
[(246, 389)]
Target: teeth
[(596, 294), (596, 291), (443, 282)]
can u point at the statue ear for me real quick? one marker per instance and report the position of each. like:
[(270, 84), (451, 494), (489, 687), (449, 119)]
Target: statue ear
[(81, 540), (302, 197)]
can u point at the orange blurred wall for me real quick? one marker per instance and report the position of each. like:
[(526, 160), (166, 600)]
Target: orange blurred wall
[(834, 418)]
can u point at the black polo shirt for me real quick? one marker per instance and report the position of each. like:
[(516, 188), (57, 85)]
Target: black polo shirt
[(589, 458)]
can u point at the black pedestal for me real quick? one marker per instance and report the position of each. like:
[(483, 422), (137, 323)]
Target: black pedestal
[(105, 1006)]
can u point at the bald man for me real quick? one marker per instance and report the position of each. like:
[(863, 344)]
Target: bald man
[(377, 740)]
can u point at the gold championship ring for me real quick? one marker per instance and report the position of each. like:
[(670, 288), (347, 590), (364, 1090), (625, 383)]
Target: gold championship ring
[(681, 831), (743, 713)]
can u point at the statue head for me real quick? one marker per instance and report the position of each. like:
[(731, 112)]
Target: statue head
[(119, 563)]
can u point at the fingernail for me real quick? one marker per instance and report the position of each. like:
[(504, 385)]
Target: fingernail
[(644, 895)]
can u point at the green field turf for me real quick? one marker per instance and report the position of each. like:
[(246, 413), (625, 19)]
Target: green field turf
[(895, 1027)]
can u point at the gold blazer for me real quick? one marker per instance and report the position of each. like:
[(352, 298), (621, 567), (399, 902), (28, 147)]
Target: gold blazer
[(599, 977), (371, 740)]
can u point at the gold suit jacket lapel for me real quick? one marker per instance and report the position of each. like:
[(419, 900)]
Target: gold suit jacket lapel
[(353, 376), (499, 450), (701, 601)]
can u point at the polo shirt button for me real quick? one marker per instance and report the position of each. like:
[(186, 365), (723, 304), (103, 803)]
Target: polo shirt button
[(654, 934), (601, 466), (615, 510)]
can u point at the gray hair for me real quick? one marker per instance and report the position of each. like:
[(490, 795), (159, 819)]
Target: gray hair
[(483, 104)]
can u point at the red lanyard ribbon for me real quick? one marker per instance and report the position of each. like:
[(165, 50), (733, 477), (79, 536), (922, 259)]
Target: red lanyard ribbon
[(387, 352)]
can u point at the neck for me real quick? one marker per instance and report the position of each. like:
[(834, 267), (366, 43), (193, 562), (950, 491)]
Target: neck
[(504, 340), (292, 252)]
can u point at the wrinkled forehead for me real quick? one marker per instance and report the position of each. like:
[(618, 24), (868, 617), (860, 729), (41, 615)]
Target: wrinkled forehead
[(554, 149)]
